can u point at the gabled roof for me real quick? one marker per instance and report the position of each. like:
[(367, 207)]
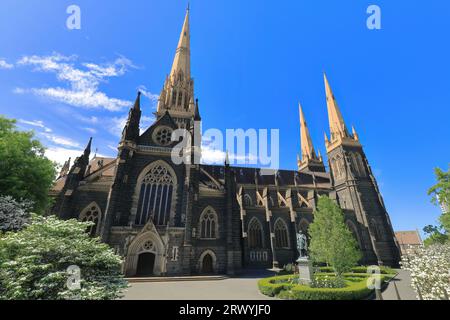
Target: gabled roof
[(409, 238), (165, 120), (245, 175)]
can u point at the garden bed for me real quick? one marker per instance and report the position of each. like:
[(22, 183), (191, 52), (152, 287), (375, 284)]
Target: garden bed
[(287, 287)]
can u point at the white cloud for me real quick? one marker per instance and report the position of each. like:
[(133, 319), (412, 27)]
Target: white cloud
[(90, 120), (83, 83), (116, 125), (151, 96), (35, 123), (61, 141), (90, 130), (61, 155), (210, 155), (5, 65)]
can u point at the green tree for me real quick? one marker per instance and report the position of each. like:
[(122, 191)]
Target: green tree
[(440, 195), (25, 173), (331, 240), (34, 263), (434, 235)]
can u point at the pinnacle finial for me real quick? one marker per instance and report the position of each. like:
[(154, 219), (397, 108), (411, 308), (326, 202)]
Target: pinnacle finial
[(137, 103), (227, 159), (355, 134)]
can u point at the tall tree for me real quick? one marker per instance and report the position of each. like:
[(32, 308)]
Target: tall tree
[(440, 193), (25, 172), (331, 240)]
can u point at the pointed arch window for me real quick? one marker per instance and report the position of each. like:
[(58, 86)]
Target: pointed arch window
[(209, 226), (156, 196), (180, 98), (174, 97), (248, 201), (281, 235), (255, 234), (92, 213)]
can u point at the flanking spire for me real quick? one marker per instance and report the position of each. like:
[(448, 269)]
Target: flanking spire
[(308, 151), (309, 161), (337, 124), (338, 129)]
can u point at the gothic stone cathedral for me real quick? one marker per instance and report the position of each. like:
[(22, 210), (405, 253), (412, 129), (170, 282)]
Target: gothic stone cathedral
[(167, 219)]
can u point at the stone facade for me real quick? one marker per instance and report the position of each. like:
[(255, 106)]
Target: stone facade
[(186, 219)]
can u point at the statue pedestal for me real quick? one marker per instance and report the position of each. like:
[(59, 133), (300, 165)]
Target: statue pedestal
[(305, 270)]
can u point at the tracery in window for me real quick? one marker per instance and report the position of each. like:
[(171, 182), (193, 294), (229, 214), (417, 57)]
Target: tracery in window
[(155, 197)]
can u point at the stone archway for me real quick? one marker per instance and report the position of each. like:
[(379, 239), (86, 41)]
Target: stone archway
[(145, 256), (207, 264), (146, 264)]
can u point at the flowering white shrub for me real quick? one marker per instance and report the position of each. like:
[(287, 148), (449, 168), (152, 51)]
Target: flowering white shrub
[(14, 215), (430, 271)]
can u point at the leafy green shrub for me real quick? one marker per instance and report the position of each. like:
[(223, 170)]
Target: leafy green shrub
[(14, 215), (34, 263)]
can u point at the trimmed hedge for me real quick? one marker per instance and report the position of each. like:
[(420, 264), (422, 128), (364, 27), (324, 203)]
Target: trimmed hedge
[(361, 269), (270, 286), (280, 287)]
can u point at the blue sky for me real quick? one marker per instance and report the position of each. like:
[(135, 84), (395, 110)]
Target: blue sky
[(252, 62)]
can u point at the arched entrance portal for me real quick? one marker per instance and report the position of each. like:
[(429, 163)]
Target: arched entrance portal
[(208, 265), (145, 256), (145, 265)]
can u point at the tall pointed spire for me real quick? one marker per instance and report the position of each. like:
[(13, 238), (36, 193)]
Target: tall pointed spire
[(308, 161), (337, 124), (308, 151), (177, 95), (182, 61)]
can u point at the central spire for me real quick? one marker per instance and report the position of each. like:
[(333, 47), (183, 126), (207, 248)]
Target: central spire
[(182, 61), (177, 95)]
